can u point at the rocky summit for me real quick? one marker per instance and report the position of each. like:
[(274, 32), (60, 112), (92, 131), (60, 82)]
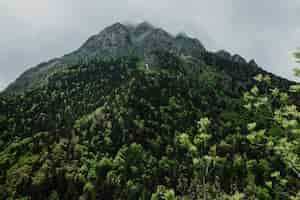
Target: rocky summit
[(117, 40)]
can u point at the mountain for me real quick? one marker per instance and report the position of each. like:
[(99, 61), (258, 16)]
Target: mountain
[(137, 113), (119, 40), (114, 41)]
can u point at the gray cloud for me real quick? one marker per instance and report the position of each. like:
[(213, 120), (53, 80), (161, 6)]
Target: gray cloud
[(33, 31)]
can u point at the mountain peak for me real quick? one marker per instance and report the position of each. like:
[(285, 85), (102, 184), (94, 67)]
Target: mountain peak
[(113, 41), (224, 54), (115, 27), (253, 63), (161, 33), (145, 25), (119, 40), (141, 30), (182, 34), (238, 59)]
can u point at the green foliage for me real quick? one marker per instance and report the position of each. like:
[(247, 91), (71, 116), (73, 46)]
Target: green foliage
[(89, 191), (162, 193), (114, 130), (53, 196)]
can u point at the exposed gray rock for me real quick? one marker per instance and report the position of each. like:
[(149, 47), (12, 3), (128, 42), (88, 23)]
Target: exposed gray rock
[(188, 46), (252, 63), (112, 41), (224, 54), (182, 34), (157, 39), (141, 31), (239, 59)]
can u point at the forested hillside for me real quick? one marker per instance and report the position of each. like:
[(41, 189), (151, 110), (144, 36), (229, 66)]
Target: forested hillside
[(166, 126)]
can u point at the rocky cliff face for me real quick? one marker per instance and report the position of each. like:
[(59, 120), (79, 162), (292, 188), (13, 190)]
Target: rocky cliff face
[(121, 40)]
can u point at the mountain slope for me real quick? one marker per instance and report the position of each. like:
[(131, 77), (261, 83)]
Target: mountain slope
[(169, 119)]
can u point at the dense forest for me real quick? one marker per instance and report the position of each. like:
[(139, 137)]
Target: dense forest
[(119, 129)]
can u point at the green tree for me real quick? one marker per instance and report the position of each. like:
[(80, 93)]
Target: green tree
[(162, 193), (285, 117)]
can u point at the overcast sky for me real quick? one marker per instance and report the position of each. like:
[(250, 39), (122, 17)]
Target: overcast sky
[(33, 31)]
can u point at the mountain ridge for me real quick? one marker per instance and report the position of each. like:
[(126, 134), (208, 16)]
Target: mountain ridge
[(120, 40)]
